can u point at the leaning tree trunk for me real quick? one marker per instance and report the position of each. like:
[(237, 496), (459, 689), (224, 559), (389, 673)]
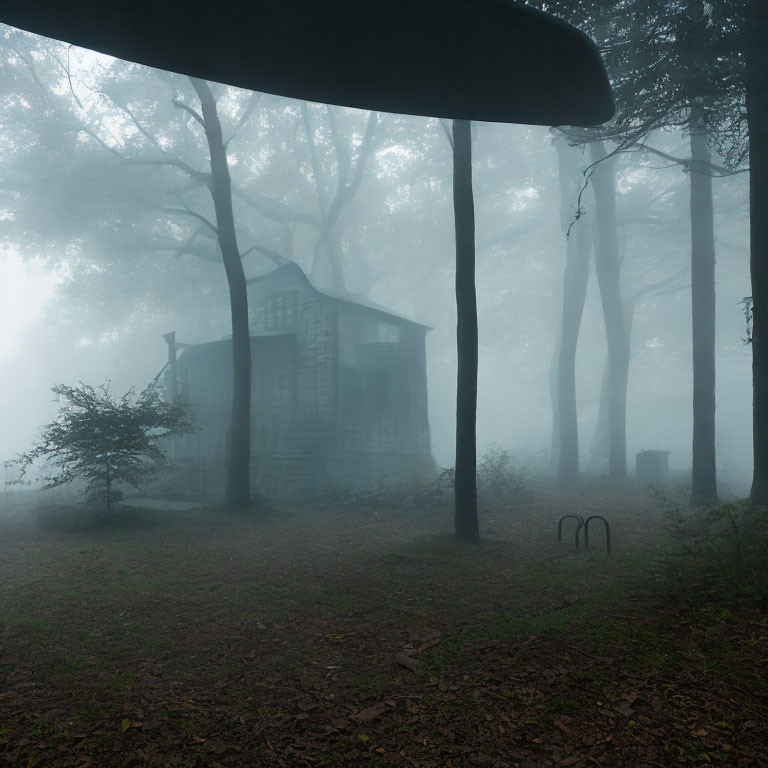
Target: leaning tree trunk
[(465, 489), (575, 278), (704, 477), (239, 434), (757, 120), (608, 271)]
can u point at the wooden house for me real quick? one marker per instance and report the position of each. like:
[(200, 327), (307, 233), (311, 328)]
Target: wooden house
[(339, 393)]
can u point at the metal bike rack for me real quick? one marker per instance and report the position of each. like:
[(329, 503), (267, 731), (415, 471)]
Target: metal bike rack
[(607, 532), (580, 520)]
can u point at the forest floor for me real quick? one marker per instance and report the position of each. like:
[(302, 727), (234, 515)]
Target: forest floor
[(365, 636)]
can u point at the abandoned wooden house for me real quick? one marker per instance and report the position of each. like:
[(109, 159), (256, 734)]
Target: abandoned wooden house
[(339, 394)]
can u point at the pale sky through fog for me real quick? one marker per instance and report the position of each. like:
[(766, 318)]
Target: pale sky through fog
[(25, 289)]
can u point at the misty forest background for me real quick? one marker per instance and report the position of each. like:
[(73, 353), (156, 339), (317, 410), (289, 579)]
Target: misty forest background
[(102, 203), (352, 628)]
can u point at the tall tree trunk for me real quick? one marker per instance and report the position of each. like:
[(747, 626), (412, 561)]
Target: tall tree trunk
[(608, 270), (327, 267), (757, 118), (554, 400), (575, 280), (108, 478), (465, 491), (599, 447), (704, 477), (239, 434)]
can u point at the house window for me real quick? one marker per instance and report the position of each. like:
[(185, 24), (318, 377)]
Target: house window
[(282, 388), (281, 309), (364, 390), (377, 389), (389, 333)]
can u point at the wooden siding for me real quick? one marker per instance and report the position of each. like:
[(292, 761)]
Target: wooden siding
[(339, 396)]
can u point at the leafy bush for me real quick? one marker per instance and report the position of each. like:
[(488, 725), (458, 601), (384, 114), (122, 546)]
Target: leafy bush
[(105, 442), (498, 479)]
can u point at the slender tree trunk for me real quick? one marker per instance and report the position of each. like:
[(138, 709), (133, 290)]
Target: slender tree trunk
[(239, 454), (608, 270), (327, 268), (575, 280), (554, 399), (757, 118), (108, 480), (704, 477), (465, 492), (599, 447)]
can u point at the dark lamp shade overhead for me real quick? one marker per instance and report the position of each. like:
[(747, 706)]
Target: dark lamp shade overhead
[(492, 60)]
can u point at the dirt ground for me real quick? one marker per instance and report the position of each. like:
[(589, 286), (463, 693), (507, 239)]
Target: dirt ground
[(332, 634)]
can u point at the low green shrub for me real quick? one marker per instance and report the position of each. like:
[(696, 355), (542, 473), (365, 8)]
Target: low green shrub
[(723, 544), (499, 481)]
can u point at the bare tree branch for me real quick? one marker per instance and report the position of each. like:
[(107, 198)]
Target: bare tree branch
[(657, 286), (250, 108), (142, 130), (273, 209), (317, 167), (90, 132), (717, 170), (185, 211), (199, 176), (448, 133), (341, 149), (69, 78), (177, 102)]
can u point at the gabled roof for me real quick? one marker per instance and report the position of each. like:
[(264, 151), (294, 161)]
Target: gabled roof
[(353, 299)]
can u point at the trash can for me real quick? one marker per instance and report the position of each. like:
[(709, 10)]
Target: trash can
[(652, 466)]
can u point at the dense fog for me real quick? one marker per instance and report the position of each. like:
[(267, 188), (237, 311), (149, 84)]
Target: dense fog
[(95, 268), (257, 510)]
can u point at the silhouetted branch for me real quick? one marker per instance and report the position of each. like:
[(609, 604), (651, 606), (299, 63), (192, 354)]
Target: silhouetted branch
[(273, 209), (317, 168), (200, 176), (185, 211), (448, 133), (177, 102)]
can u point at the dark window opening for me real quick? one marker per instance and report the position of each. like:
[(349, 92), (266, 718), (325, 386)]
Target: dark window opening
[(377, 389), (281, 309), (364, 390)]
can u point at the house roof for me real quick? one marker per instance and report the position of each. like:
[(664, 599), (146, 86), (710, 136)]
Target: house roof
[(262, 339), (353, 299)]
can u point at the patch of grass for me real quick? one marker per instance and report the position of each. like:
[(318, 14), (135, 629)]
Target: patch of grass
[(142, 585), (461, 704), (266, 711), (565, 704), (554, 622), (187, 728), (368, 688), (449, 653)]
